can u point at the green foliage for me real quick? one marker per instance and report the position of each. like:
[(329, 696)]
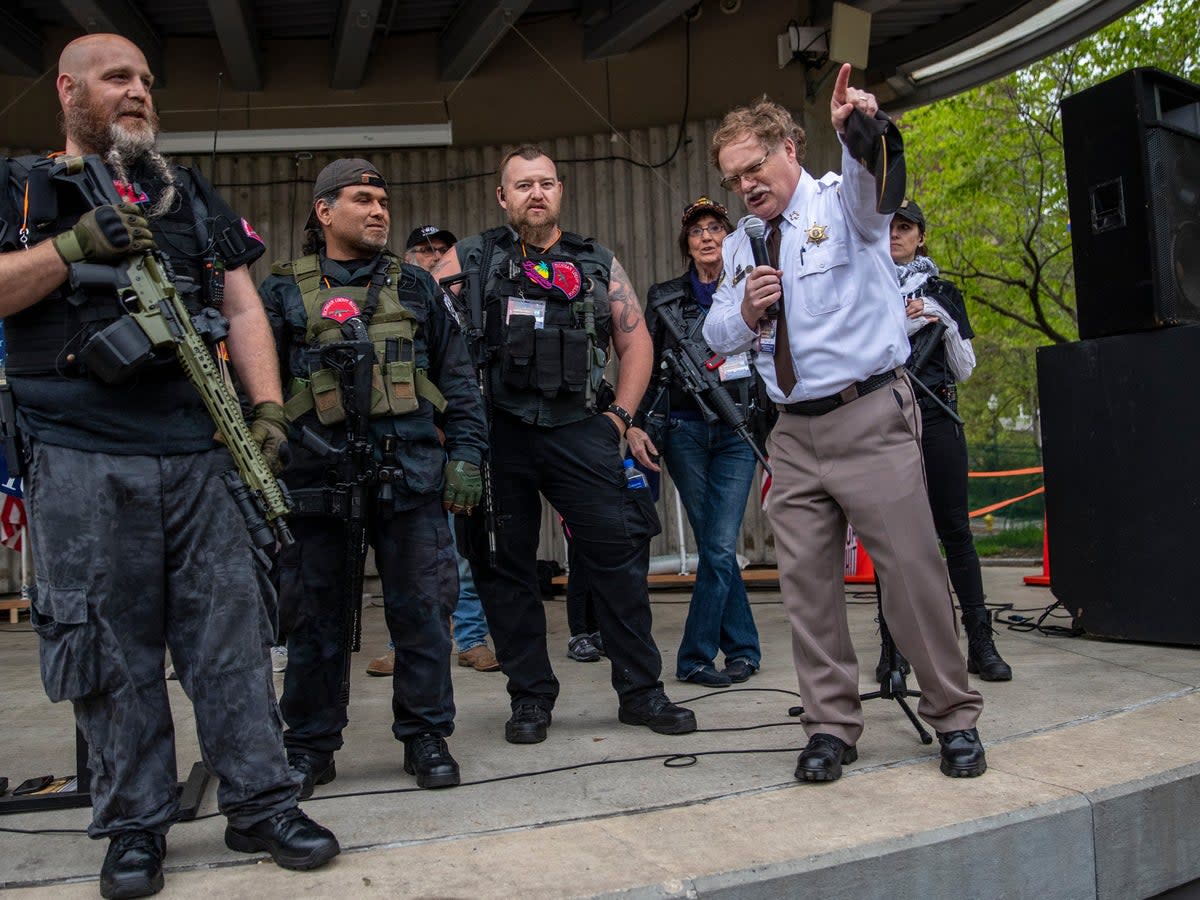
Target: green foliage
[(1025, 541), (987, 168)]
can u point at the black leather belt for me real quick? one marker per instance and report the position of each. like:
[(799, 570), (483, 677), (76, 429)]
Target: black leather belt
[(824, 405)]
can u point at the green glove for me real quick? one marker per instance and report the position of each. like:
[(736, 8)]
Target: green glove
[(464, 486), (269, 428), (106, 234)]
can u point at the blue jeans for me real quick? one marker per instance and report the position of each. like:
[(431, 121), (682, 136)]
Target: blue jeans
[(713, 469), (470, 627)]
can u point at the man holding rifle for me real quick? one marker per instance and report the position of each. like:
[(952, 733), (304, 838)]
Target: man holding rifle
[(376, 363), (138, 541)]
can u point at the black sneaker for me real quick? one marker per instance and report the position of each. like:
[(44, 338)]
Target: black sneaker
[(293, 839), (428, 757), (708, 676), (658, 714), (962, 753), (133, 865), (528, 724), (739, 670), (581, 648), (316, 769)]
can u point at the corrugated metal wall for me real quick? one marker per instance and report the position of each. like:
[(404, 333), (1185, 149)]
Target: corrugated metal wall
[(634, 209)]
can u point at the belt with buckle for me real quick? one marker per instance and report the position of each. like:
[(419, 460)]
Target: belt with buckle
[(824, 405)]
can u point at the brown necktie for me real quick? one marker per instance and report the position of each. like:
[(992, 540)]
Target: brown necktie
[(785, 371)]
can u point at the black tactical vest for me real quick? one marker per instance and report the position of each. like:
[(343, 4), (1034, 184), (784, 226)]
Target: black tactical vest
[(548, 325)]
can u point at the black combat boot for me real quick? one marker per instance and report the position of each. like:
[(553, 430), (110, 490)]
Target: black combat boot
[(316, 769), (293, 839), (133, 865), (982, 657), (658, 714), (428, 757)]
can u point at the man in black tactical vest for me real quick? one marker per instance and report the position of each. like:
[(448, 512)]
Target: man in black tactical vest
[(549, 302), (138, 544), (349, 292)]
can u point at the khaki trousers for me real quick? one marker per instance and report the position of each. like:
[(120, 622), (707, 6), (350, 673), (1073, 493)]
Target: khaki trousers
[(862, 462)]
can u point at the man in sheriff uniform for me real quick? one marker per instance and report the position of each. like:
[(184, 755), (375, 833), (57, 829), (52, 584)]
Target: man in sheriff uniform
[(137, 542), (552, 301), (350, 284)]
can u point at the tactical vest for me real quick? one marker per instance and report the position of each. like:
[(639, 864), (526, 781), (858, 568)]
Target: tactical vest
[(548, 326), (45, 338), (397, 383)]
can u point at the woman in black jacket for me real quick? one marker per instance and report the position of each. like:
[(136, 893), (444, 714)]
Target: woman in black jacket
[(930, 300)]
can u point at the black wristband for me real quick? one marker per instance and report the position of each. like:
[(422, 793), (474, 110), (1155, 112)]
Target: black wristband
[(621, 413)]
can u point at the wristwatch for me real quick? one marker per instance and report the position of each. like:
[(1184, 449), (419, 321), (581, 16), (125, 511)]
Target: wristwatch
[(621, 413)]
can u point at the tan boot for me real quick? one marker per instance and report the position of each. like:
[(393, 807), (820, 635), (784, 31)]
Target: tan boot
[(480, 658), (382, 665)]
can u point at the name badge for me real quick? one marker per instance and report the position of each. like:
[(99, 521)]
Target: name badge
[(735, 367), (766, 336), (520, 306)]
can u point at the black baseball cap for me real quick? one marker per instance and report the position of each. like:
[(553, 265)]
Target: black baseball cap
[(339, 174), (909, 210), (424, 233)]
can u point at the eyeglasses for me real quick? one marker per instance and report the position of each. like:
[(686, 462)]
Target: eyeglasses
[(427, 248), (734, 182), (715, 229)]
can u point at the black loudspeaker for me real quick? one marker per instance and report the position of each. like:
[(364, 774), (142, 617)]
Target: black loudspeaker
[(1132, 148), (1121, 447)]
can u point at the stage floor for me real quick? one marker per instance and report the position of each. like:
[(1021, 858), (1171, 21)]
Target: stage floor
[(1094, 773)]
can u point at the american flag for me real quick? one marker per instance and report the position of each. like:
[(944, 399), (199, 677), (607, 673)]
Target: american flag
[(12, 510)]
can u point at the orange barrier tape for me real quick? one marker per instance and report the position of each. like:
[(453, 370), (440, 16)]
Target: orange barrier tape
[(987, 509), (1035, 470)]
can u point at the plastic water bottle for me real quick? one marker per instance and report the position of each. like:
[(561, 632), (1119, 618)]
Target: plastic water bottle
[(634, 479)]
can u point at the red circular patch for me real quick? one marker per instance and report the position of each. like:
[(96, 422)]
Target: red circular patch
[(339, 309)]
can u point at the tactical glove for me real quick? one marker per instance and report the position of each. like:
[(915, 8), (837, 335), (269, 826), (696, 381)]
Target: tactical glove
[(464, 486), (269, 429), (106, 234)]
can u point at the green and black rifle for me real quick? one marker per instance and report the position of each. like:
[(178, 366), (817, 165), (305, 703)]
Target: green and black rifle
[(695, 369), (157, 322), (352, 477), (468, 303)]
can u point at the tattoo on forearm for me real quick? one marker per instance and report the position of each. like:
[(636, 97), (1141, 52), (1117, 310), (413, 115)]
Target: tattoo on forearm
[(627, 311)]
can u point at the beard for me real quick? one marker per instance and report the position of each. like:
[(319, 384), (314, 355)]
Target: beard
[(127, 149)]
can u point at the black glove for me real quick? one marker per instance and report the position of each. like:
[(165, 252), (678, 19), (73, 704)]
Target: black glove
[(269, 429), (464, 486), (106, 234)]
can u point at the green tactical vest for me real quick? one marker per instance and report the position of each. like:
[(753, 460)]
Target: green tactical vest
[(396, 382)]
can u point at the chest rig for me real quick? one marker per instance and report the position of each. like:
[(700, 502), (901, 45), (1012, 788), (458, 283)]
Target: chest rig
[(50, 336), (398, 382), (549, 326)]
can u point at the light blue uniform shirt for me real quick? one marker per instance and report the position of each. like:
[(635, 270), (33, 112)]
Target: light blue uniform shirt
[(845, 318)]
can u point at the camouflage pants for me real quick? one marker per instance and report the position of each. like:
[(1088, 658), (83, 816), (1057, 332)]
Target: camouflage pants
[(135, 555)]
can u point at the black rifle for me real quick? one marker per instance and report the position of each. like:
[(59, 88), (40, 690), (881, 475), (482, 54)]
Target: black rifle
[(695, 368), (353, 473), (917, 363), (157, 321), (472, 318)]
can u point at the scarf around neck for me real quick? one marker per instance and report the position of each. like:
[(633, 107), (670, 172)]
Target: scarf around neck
[(913, 275)]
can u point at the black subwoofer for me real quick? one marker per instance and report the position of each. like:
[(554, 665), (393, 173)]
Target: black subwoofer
[(1121, 447), (1132, 148)]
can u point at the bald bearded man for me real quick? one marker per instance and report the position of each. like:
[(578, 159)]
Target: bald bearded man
[(137, 542)]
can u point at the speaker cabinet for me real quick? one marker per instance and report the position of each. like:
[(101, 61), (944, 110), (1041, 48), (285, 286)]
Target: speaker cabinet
[(1121, 441), (1132, 148)]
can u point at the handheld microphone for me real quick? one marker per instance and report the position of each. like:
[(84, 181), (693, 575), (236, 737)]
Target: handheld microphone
[(756, 230)]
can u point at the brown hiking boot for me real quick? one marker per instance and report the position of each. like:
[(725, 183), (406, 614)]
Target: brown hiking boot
[(480, 658), (382, 665)]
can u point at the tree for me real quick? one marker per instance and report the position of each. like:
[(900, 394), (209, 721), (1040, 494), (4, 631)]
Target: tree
[(987, 168)]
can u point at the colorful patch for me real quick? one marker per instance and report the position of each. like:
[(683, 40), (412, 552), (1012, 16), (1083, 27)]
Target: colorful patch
[(129, 194), (250, 232), (538, 271), (339, 309), (567, 279)]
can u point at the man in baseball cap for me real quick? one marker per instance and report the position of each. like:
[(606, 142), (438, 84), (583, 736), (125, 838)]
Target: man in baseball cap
[(427, 245), (339, 174)]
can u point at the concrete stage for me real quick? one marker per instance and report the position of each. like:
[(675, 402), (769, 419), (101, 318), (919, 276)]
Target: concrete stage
[(1094, 779)]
